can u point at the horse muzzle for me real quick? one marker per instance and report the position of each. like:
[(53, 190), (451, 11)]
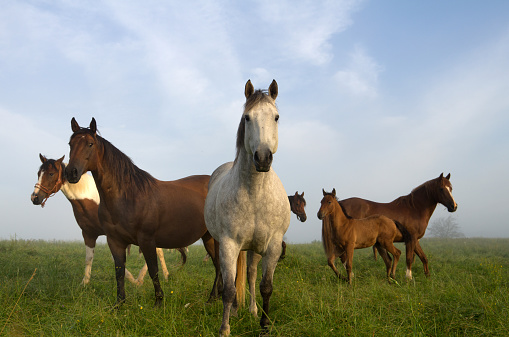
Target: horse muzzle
[(72, 175), (35, 199), (302, 217), (453, 208), (262, 160)]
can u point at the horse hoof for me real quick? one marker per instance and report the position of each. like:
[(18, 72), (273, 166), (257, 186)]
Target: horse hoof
[(224, 331), (158, 303)]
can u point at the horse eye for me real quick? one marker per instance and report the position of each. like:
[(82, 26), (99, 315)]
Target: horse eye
[(246, 117), (277, 118), (51, 174), (90, 144)]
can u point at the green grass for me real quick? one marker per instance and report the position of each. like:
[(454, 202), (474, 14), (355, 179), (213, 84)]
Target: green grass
[(466, 295)]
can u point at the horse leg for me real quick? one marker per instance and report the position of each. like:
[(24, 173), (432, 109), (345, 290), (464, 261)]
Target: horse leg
[(183, 255), (89, 256), (396, 253), (148, 249), (410, 248), (228, 254), (331, 262), (119, 256), (269, 263), (423, 257), (252, 265), (374, 252), (141, 275), (160, 255), (283, 252), (385, 257), (349, 262), (212, 248)]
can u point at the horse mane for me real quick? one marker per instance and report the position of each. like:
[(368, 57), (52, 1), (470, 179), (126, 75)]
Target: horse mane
[(429, 187), (257, 97), (127, 175)]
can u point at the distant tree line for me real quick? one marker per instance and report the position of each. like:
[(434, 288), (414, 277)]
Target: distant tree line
[(445, 228)]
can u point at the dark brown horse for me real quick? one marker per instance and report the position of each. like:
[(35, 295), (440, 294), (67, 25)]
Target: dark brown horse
[(297, 205), (138, 209), (413, 211), (341, 234)]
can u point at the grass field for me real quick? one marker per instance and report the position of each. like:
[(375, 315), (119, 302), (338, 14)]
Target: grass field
[(466, 295)]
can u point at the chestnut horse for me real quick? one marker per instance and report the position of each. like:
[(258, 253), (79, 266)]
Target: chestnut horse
[(138, 209), (84, 200), (413, 211), (341, 234)]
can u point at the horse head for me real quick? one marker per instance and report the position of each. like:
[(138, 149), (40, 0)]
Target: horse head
[(83, 155), (49, 180), (444, 193), (297, 204), (258, 129), (327, 204)]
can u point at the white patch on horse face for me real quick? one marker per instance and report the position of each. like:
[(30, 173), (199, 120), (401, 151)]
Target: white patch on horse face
[(37, 189), (448, 188)]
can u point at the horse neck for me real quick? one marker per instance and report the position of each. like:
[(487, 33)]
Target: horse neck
[(84, 189), (424, 201), (338, 217)]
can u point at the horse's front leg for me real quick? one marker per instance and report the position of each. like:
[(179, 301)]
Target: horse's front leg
[(118, 252), (252, 265), (423, 257), (90, 241), (228, 254), (410, 248), (148, 249)]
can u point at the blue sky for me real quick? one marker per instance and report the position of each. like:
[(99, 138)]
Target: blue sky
[(374, 97)]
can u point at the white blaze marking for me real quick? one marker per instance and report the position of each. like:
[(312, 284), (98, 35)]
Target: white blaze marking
[(36, 189)]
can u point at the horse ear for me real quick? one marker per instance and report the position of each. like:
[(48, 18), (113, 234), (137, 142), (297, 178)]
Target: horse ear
[(249, 89), (74, 125), (93, 125), (333, 192), (302, 194), (59, 161), (441, 175), (43, 159), (273, 89), (448, 177), (324, 193)]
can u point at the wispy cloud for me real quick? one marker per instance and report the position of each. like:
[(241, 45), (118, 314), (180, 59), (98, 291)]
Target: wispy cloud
[(360, 78)]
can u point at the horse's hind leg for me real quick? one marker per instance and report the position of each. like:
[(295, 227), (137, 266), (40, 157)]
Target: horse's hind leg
[(396, 253), (385, 257), (212, 248), (148, 248), (183, 254), (422, 256), (269, 263), (160, 255), (252, 265)]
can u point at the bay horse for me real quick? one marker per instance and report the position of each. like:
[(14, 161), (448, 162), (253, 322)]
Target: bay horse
[(247, 207), (413, 211), (341, 234), (84, 200), (297, 205), (137, 208)]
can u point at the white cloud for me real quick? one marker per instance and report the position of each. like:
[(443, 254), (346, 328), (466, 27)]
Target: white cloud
[(360, 78)]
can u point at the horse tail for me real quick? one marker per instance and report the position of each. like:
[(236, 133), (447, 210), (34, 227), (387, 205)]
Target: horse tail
[(404, 232), (240, 282)]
